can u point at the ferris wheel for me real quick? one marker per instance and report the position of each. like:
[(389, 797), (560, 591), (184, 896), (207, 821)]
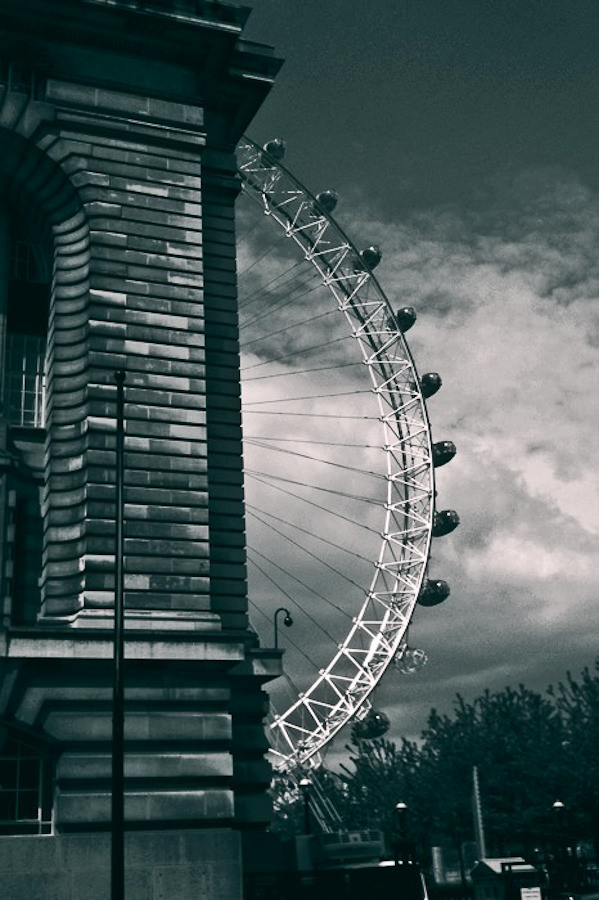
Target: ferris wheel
[(360, 392)]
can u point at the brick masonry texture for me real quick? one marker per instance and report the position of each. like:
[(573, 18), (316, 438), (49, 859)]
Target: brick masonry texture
[(133, 275), (223, 402)]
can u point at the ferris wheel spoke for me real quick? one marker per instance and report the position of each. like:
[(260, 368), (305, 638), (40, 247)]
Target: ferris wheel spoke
[(270, 478), (326, 509), (277, 439), (325, 462), (286, 594), (296, 527), (306, 371), (303, 584), (304, 351), (298, 546)]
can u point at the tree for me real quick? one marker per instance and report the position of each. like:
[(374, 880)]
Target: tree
[(530, 750), (577, 702), (514, 737)]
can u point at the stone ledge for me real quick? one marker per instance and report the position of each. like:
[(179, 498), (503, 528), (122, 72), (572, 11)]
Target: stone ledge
[(137, 105), (153, 645), (148, 765), (85, 807)]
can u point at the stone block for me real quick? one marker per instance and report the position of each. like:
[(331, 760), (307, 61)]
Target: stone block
[(179, 765), (84, 807), (36, 853), (191, 881), (160, 217), (146, 228), (154, 725), (151, 565), (175, 494), (37, 886), (147, 601)]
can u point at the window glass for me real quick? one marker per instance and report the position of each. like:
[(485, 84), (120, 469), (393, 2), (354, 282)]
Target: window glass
[(24, 385), (24, 788), (24, 380)]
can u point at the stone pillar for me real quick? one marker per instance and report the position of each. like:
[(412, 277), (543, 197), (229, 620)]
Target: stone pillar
[(137, 165)]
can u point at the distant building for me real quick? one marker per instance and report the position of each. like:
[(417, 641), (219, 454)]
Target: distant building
[(118, 122)]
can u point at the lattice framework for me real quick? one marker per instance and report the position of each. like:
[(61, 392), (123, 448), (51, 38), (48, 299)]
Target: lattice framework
[(378, 632)]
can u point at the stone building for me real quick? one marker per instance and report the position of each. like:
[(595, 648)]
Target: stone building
[(118, 123)]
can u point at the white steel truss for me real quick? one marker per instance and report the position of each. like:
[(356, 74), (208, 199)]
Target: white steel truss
[(378, 633)]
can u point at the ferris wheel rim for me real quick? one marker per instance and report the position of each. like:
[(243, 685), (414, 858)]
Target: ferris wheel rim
[(312, 720)]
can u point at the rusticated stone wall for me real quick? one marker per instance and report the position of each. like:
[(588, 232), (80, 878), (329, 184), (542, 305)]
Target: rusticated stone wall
[(228, 577), (138, 276)]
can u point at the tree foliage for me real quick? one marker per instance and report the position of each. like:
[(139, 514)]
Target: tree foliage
[(529, 750)]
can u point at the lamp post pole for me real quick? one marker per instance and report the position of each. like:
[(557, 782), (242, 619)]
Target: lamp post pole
[(305, 785), (117, 870), (566, 857), (558, 810), (400, 824)]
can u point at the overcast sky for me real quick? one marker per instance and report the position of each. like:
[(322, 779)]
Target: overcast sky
[(463, 137)]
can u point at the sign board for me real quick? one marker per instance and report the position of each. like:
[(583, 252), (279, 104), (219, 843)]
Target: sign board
[(530, 893)]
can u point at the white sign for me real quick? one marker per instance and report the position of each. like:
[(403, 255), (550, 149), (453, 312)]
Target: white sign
[(530, 893)]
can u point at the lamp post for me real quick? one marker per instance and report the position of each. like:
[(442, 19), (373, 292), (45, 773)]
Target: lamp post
[(118, 714), (564, 866), (305, 785), (400, 832), (566, 857), (287, 622), (557, 815)]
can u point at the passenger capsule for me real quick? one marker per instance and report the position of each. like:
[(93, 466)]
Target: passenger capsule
[(405, 318), (275, 149), (327, 200), (371, 257), (433, 592), (430, 384), (444, 522), (443, 451), (374, 725), (409, 661)]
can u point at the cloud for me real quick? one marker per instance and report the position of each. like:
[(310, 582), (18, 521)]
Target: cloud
[(514, 318)]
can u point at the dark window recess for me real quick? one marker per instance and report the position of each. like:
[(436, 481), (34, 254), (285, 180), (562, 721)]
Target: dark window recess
[(25, 787), (24, 383), (21, 79), (27, 556)]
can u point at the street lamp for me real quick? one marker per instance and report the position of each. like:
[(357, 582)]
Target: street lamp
[(400, 829), (287, 622), (558, 811), (305, 785), (562, 862)]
